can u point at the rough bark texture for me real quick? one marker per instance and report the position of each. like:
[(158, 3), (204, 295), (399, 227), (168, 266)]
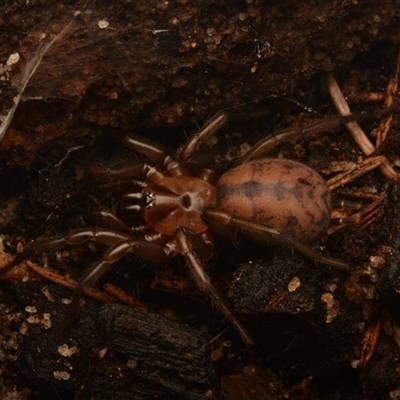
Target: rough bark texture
[(158, 68), (161, 64), (112, 351)]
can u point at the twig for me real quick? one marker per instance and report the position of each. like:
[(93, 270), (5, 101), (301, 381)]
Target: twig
[(29, 70), (354, 128), (69, 283), (383, 129), (359, 170)]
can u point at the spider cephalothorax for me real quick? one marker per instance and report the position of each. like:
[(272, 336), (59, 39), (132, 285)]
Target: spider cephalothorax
[(271, 199)]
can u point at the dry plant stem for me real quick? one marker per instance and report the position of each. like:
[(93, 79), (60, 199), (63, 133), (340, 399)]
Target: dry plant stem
[(275, 301), (367, 97), (361, 169), (354, 128), (375, 214), (371, 212), (124, 297), (358, 194), (297, 388), (28, 71), (367, 210), (69, 283), (369, 341), (382, 131), (18, 273), (365, 216)]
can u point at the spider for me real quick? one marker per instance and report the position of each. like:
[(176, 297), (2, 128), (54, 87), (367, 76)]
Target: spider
[(272, 200)]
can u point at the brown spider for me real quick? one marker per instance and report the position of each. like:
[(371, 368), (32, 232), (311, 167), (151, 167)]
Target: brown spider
[(276, 200)]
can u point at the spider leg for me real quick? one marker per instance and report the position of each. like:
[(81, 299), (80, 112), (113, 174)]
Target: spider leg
[(79, 236), (123, 170), (209, 128), (266, 145), (122, 243), (113, 221), (265, 233), (154, 151), (200, 161), (128, 169), (346, 204), (183, 238), (158, 154), (40, 247), (147, 250)]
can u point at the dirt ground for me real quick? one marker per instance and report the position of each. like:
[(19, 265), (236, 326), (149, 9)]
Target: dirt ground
[(75, 76)]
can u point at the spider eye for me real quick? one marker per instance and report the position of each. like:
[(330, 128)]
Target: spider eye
[(149, 199)]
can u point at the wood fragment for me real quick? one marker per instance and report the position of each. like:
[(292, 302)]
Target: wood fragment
[(348, 176), (369, 342), (124, 297), (383, 129), (69, 283), (354, 128)]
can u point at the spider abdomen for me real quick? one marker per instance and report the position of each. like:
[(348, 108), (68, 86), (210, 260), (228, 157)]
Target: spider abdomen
[(280, 193)]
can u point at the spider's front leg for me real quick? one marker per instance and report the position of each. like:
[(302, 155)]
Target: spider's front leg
[(60, 242), (266, 234), (186, 248), (158, 154), (123, 244), (128, 169), (198, 137), (104, 236)]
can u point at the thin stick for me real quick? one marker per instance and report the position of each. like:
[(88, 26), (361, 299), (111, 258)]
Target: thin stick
[(360, 169), (382, 131), (354, 128), (29, 69)]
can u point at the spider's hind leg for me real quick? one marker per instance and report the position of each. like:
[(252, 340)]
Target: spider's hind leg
[(203, 281), (266, 234)]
